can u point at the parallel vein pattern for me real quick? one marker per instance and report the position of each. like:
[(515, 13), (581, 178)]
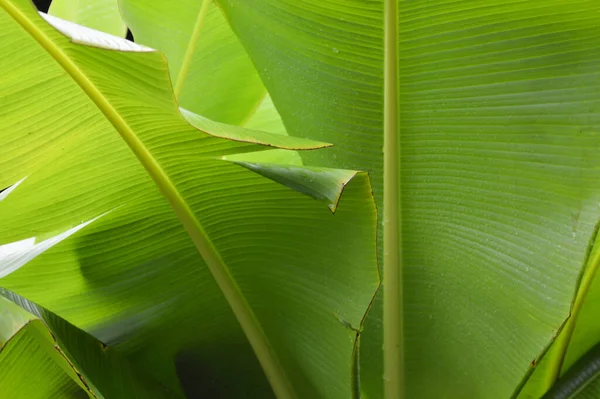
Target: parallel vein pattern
[(214, 261), (270, 238), (500, 118)]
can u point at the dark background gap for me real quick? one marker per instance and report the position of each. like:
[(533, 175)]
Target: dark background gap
[(43, 5)]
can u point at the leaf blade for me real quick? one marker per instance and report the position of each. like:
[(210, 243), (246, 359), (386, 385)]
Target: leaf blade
[(101, 15), (519, 92), (78, 168), (210, 70), (205, 247)]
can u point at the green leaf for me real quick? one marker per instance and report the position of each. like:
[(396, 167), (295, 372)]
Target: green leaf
[(579, 381), (266, 118), (285, 157), (17, 254), (102, 15), (12, 319), (29, 372), (29, 363), (322, 184), (586, 329), (498, 133), (211, 73), (90, 359), (576, 338), (249, 135), (591, 391), (99, 133)]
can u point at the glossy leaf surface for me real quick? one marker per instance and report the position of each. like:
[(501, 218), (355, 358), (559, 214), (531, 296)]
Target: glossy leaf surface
[(96, 134), (498, 134)]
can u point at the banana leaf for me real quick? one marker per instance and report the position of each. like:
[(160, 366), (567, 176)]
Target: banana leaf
[(29, 362), (494, 144), (102, 15), (159, 236), (211, 73)]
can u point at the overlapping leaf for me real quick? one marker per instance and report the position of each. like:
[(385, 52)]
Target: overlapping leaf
[(30, 363), (133, 278), (102, 15), (211, 73), (28, 369), (57, 359), (499, 119)]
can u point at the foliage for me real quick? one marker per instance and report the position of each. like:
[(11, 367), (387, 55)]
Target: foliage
[(204, 220)]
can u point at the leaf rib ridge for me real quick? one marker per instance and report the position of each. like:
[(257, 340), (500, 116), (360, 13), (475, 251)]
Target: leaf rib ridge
[(564, 338), (189, 52), (392, 241), (219, 270)]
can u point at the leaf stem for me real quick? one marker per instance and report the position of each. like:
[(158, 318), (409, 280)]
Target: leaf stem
[(219, 270), (564, 338), (392, 245)]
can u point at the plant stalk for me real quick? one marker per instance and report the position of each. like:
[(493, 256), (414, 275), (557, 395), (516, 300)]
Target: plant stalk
[(564, 338), (392, 260)]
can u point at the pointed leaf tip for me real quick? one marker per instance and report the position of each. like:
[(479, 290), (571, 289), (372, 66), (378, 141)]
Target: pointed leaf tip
[(237, 133), (322, 184), (4, 193)]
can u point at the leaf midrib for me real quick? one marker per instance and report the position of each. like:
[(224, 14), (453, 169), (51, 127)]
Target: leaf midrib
[(191, 48), (240, 307), (392, 239)]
